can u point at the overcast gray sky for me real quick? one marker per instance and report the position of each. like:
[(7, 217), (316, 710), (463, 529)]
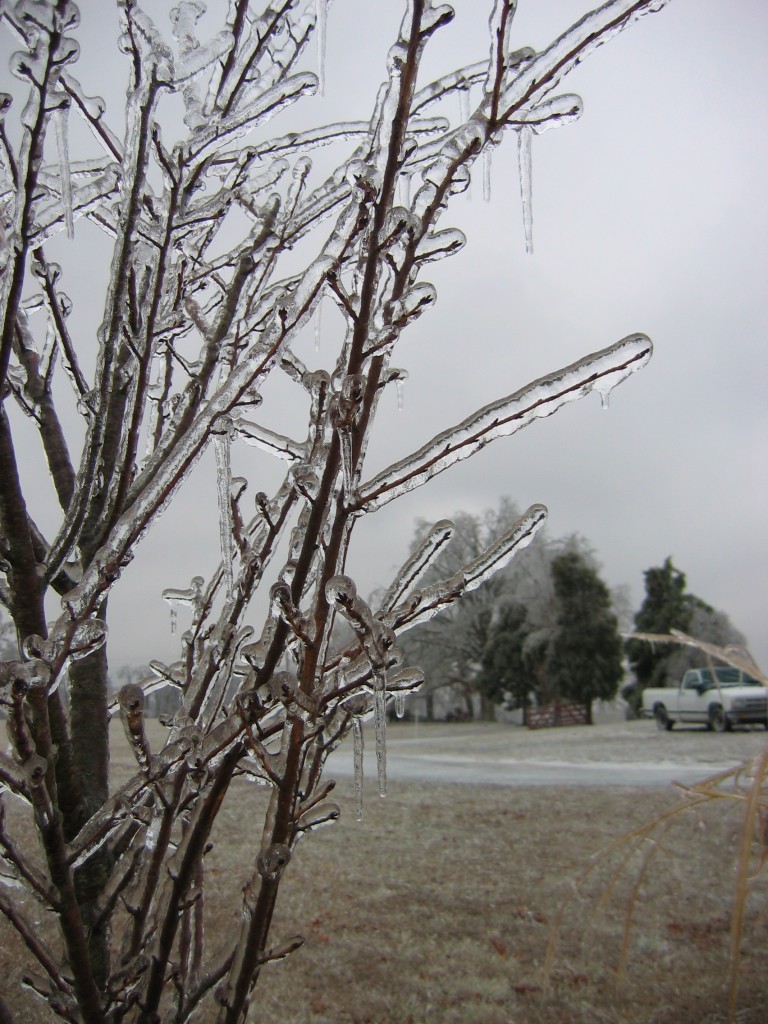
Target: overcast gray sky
[(650, 214)]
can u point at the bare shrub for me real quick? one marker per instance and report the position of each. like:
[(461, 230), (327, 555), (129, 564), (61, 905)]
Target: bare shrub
[(206, 215)]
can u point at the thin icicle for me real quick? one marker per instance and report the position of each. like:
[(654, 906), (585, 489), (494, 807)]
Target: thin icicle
[(321, 12), (524, 139), (60, 116), (400, 703), (380, 729), (221, 444), (464, 105), (487, 159), (357, 743), (318, 323), (404, 189)]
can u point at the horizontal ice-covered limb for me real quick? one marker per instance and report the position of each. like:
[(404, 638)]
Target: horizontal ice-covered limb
[(266, 439), (601, 371), (552, 113), (732, 654), (543, 73), (263, 108)]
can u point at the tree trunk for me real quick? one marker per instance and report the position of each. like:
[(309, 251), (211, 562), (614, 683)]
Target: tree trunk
[(89, 718), (487, 709)]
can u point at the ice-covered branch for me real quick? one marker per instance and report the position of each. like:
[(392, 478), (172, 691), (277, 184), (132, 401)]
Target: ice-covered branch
[(599, 372), (422, 605), (545, 71), (412, 571)]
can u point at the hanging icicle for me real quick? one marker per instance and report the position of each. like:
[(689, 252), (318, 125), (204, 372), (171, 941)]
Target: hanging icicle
[(318, 323), (221, 444), (380, 729), (321, 13), (60, 121), (357, 744), (524, 139), (487, 157)]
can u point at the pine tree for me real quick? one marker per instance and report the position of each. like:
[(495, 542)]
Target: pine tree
[(585, 656), (505, 674)]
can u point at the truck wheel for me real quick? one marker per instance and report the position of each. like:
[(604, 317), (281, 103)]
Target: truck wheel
[(663, 721), (719, 719)]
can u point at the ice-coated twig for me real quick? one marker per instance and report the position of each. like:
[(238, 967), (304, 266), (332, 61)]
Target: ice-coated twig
[(422, 605), (270, 441), (539, 76), (131, 698), (418, 563), (601, 372), (498, 555)]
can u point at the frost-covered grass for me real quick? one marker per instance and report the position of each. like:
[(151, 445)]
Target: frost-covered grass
[(439, 905)]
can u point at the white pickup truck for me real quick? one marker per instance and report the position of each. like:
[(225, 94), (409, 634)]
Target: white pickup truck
[(729, 697)]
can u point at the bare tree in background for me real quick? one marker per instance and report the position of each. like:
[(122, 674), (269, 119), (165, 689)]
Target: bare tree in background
[(203, 307)]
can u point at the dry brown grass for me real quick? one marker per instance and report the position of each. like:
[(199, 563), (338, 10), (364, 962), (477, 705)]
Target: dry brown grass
[(439, 906)]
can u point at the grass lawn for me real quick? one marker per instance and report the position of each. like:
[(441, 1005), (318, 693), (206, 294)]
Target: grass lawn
[(439, 906)]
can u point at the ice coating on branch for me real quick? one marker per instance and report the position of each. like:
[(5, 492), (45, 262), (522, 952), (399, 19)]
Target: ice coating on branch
[(422, 605), (271, 862), (540, 75), (418, 563), (440, 244), (601, 371), (554, 113), (276, 444), (189, 597), (524, 139), (498, 554), (414, 302)]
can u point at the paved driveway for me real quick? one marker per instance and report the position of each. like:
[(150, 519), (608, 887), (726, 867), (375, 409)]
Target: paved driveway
[(621, 754)]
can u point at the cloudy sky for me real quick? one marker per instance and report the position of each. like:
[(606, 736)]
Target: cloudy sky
[(650, 214)]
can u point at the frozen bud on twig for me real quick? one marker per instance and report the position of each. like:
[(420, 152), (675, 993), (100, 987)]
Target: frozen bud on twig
[(35, 768), (271, 862)]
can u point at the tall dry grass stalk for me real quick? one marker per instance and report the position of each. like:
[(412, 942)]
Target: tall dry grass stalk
[(745, 785)]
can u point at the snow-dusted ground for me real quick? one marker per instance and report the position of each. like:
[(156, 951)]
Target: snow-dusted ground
[(622, 753)]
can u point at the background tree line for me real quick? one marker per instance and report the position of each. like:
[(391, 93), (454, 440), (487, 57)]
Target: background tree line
[(548, 628)]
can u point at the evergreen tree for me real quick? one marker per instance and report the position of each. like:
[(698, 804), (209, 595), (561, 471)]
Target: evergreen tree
[(666, 606), (585, 656), (505, 675)]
